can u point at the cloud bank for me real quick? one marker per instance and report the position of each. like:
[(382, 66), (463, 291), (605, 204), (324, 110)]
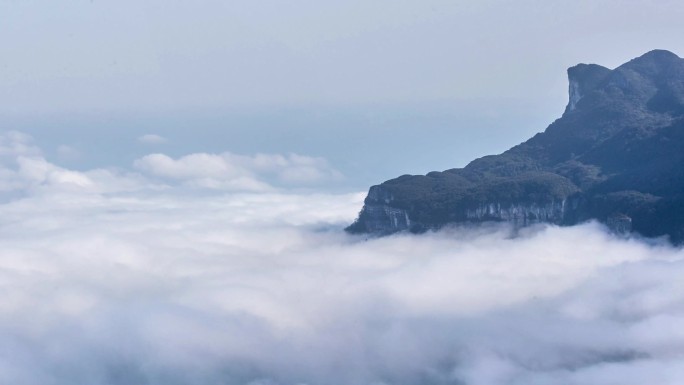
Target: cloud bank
[(113, 277), (238, 172)]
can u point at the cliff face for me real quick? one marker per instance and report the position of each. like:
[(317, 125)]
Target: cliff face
[(519, 214), (380, 216), (615, 155), (582, 79)]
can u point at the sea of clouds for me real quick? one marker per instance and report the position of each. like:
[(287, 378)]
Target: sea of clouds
[(232, 269)]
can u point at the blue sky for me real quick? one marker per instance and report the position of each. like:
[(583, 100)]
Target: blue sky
[(380, 88)]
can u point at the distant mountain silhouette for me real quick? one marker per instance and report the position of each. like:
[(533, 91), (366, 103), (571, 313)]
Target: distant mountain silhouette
[(616, 155)]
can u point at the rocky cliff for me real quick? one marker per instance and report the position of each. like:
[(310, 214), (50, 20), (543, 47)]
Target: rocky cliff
[(616, 155)]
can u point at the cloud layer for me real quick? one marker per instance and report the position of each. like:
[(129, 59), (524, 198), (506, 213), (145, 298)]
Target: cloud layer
[(24, 169), (238, 172), (110, 277)]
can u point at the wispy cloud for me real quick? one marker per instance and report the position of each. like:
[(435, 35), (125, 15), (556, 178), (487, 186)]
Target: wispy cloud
[(152, 139)]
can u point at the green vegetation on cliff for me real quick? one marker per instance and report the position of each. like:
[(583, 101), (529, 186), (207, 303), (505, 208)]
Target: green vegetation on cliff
[(617, 152)]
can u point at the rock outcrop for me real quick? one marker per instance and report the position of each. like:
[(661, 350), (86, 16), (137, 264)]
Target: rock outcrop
[(616, 155)]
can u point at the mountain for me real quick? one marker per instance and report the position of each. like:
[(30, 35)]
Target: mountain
[(616, 155)]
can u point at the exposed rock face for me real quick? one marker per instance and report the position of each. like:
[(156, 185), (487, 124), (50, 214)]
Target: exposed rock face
[(519, 214), (616, 155), (582, 79), (381, 217)]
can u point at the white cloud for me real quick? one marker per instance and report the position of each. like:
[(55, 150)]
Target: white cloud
[(14, 144), (24, 170), (251, 287), (22, 166), (105, 278), (152, 139), (239, 172)]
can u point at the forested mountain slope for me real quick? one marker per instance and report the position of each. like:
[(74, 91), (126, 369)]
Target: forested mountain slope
[(616, 155)]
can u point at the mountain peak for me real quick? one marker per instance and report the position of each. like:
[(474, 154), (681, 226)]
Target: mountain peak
[(582, 79), (653, 63), (615, 156), (655, 77), (658, 54)]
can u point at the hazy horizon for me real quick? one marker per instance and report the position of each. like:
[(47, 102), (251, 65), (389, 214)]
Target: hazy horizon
[(444, 82)]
